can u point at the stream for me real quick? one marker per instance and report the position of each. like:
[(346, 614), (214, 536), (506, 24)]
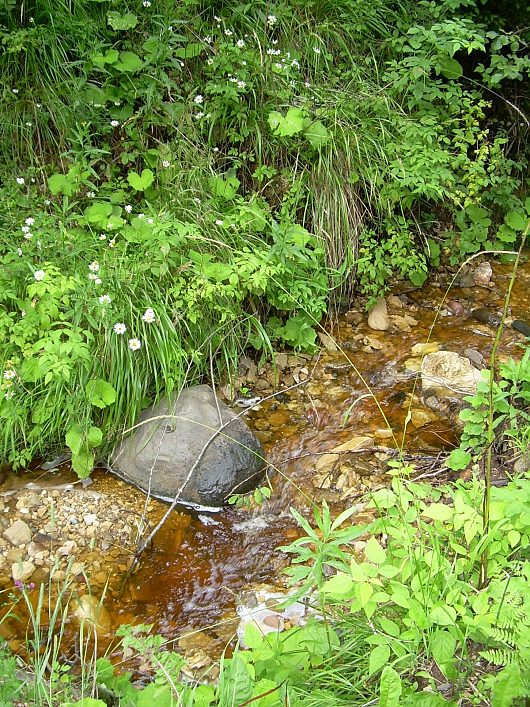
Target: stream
[(199, 564)]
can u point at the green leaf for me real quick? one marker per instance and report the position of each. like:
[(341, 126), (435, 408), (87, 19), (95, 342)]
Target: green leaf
[(74, 438), (364, 592), (94, 437), (110, 57), (290, 124), (378, 657), (99, 212), (458, 459), (389, 688), (443, 615), (317, 134), (374, 552), (339, 585), (83, 463), (389, 626), (517, 219), (129, 62), (100, 393), (119, 21), (61, 184), (141, 182), (85, 702), (417, 277), (159, 695), (443, 646), (192, 50), (449, 67), (438, 511), (508, 686), (224, 188)]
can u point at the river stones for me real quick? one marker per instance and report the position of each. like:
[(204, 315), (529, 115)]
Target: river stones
[(447, 374), (179, 454), (378, 317)]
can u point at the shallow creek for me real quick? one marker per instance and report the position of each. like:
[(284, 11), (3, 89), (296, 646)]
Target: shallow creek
[(199, 564)]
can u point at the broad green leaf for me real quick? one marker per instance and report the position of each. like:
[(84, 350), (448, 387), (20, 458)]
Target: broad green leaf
[(192, 50), (129, 62), (517, 219), (61, 184), (507, 687), (389, 626), (100, 393), (317, 135), (85, 702), (253, 636), (288, 125), (339, 585), (417, 277), (159, 695), (119, 21), (458, 459), (83, 463), (364, 592), (449, 67), (443, 615), (389, 688), (224, 188), (94, 437), (438, 511), (110, 57), (378, 657), (443, 646), (374, 552), (74, 438), (141, 182), (98, 212)]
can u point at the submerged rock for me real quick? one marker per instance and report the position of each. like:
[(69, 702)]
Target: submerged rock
[(446, 373), (18, 533), (179, 454), (378, 317)]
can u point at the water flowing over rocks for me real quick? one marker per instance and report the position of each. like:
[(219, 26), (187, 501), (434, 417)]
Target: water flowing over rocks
[(176, 452)]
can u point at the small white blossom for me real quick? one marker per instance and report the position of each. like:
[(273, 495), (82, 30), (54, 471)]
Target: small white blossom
[(102, 237), (114, 123), (15, 90), (20, 180), (216, 149), (207, 40), (149, 316), (25, 229), (209, 61), (243, 63), (216, 18), (105, 299), (240, 43), (19, 251), (317, 50), (112, 243), (166, 163), (199, 115), (39, 275), (47, 202), (91, 194), (150, 221), (94, 266), (120, 328), (198, 99), (219, 222), (128, 208), (141, 215), (28, 235), (271, 20), (28, 123), (29, 221), (228, 32), (22, 312), (10, 374), (98, 281), (135, 344), (92, 276), (307, 84), (241, 84), (146, 3), (9, 394)]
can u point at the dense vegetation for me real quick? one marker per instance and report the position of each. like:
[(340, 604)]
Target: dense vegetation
[(183, 181)]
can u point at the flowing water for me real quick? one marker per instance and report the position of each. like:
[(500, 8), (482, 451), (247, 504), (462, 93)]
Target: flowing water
[(192, 575)]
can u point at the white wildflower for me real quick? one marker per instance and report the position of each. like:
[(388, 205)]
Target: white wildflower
[(92, 276), (228, 32), (166, 163), (317, 50), (198, 99), (47, 202), (199, 115), (207, 40), (25, 229), (114, 123), (19, 251), (91, 194), (39, 275), (94, 266), (98, 281), (120, 328), (112, 243), (272, 20), (240, 43), (128, 208), (15, 90), (105, 299), (29, 221), (28, 123), (141, 215), (9, 374), (241, 84), (150, 221), (20, 180), (219, 222), (146, 3), (9, 394), (209, 61), (28, 235), (135, 344), (149, 316), (102, 237)]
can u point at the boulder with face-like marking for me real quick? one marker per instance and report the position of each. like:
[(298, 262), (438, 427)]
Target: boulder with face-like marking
[(176, 452)]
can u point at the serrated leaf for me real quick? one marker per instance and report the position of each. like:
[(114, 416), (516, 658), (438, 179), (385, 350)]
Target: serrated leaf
[(98, 212), (458, 459), (378, 657), (507, 686), (443, 615), (110, 57), (224, 188), (374, 552), (389, 688), (141, 182), (288, 125), (118, 21), (100, 393), (443, 646), (517, 219), (438, 511), (129, 62), (317, 134)]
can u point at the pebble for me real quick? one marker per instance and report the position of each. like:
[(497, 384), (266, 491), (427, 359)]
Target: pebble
[(20, 571), (378, 317), (18, 533)]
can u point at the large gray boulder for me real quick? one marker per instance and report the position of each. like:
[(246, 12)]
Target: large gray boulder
[(158, 457)]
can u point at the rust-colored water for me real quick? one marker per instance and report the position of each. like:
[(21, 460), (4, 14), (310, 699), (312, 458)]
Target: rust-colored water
[(198, 564)]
